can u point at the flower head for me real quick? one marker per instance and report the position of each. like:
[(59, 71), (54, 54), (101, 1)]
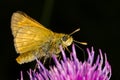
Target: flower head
[(73, 69)]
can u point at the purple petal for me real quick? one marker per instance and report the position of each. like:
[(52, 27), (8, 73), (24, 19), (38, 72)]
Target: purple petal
[(73, 69)]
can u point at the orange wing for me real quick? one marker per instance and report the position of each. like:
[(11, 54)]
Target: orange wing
[(28, 33), (20, 19)]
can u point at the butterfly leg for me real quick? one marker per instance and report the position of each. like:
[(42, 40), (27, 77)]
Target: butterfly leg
[(45, 59)]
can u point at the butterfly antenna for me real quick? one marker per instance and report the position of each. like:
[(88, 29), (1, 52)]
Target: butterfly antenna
[(82, 51), (83, 43), (75, 31)]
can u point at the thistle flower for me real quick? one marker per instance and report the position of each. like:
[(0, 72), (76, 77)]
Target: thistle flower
[(73, 69)]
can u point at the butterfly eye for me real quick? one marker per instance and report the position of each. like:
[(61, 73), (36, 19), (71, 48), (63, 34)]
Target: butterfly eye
[(65, 38)]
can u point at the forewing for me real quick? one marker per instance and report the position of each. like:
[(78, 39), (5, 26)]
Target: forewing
[(20, 19), (30, 38), (28, 33)]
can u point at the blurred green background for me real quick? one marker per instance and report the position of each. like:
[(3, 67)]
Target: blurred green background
[(99, 21)]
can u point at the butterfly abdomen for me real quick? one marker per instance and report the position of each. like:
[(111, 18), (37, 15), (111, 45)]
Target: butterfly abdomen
[(25, 58)]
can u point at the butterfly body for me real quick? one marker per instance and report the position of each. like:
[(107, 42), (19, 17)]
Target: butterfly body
[(32, 40)]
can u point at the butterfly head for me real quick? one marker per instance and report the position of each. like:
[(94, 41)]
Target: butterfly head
[(67, 40)]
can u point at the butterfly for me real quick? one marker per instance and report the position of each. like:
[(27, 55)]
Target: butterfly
[(32, 40)]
